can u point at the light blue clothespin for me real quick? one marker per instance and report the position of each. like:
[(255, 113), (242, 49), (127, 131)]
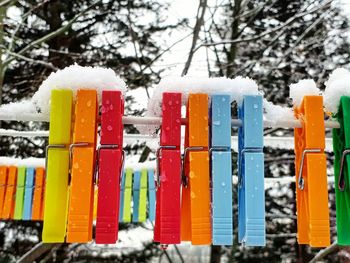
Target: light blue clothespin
[(136, 196), (151, 196), (121, 199), (221, 170), (251, 192), (28, 194)]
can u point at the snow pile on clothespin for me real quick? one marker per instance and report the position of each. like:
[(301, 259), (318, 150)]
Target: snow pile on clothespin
[(236, 88), (302, 88), (73, 77), (337, 85), (28, 162)]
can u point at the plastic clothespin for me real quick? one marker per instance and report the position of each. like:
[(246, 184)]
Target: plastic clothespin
[(3, 183), (251, 191), (121, 201), (221, 170), (110, 167), (143, 196), (9, 202), (341, 147), (195, 210), (38, 196), (57, 167), (21, 179), (151, 196), (136, 196), (311, 174), (82, 159), (127, 196), (168, 205), (28, 194)]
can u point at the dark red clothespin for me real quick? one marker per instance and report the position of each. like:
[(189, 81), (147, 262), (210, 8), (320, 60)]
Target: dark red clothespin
[(167, 223), (110, 166)]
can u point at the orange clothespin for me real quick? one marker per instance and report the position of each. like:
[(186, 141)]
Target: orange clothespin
[(9, 202), (311, 174), (82, 151), (38, 196), (3, 183), (195, 206)]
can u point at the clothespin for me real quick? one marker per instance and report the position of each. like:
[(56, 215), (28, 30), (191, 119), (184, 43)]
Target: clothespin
[(3, 183), (167, 222), (151, 196), (251, 192), (82, 157), (195, 210), (38, 196), (136, 196), (110, 167), (28, 194), (127, 196), (21, 179), (9, 202), (57, 167), (121, 201), (221, 170), (311, 174), (341, 146), (143, 196)]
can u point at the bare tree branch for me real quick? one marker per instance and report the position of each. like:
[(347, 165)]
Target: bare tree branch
[(52, 34), (37, 251), (326, 4), (199, 22), (325, 252)]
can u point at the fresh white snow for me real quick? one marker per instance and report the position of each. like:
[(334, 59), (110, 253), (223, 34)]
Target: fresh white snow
[(337, 85), (73, 77), (302, 88)]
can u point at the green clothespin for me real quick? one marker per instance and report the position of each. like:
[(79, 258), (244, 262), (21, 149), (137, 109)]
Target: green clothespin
[(143, 196), (341, 148), (127, 196), (21, 178)]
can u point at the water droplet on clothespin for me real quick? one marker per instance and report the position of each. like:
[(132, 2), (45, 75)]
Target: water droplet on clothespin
[(223, 99), (82, 120), (223, 184), (111, 107), (192, 175), (108, 102), (88, 103), (170, 103), (103, 109), (255, 106), (109, 128), (76, 165), (167, 128), (193, 195)]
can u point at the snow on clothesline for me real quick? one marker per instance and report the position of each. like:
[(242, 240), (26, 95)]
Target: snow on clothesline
[(73, 77)]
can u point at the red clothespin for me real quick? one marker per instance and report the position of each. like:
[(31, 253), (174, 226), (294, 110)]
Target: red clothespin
[(167, 223), (110, 166)]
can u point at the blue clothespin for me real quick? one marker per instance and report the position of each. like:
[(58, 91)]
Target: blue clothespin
[(28, 194), (221, 170), (251, 192), (136, 196), (151, 196), (121, 199)]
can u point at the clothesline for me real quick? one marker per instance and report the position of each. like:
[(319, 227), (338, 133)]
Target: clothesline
[(269, 141), (158, 120)]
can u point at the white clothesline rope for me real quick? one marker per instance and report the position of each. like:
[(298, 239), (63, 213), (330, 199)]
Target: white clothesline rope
[(158, 120), (269, 141)]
